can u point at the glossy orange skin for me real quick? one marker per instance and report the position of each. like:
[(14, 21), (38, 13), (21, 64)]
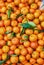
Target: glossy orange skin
[(34, 45), (32, 61), (2, 42), (15, 41), (23, 47), (1, 23), (30, 50), (23, 51)]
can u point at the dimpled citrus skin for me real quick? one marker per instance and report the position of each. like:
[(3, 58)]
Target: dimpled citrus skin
[(21, 43)]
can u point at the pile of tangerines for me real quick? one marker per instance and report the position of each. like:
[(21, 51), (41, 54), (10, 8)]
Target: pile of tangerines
[(19, 47)]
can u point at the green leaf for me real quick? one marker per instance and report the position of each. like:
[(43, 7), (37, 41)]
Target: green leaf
[(43, 48), (7, 32), (9, 12), (22, 41), (14, 55), (25, 25), (22, 32), (42, 7), (30, 25), (7, 57), (1, 62), (26, 37), (13, 34), (11, 9), (40, 31), (19, 15)]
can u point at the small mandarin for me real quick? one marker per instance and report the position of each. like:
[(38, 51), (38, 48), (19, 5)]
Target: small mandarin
[(17, 12), (32, 61), (39, 48), (29, 31), (19, 19), (15, 41), (30, 1), (42, 24), (1, 51), (25, 37), (37, 14), (26, 43), (36, 64), (14, 59), (36, 21), (30, 16), (24, 10), (35, 54), (12, 47), (17, 51), (21, 47), (8, 62), (34, 45), (40, 61), (40, 36), (1, 37), (36, 1), (10, 52), (3, 10), (27, 63), (24, 62), (42, 54), (9, 0), (13, 16), (30, 50), (5, 38), (16, 2), (2, 42), (4, 17), (33, 37), (14, 23), (21, 58), (41, 17), (32, 10), (9, 36), (2, 30), (15, 29), (39, 27), (9, 28), (18, 36), (5, 49), (23, 1), (9, 43), (4, 56), (21, 5), (28, 57), (41, 42), (36, 32), (1, 23), (23, 51), (34, 6)]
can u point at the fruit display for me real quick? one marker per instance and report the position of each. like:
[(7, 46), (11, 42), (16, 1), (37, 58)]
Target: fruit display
[(21, 32)]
